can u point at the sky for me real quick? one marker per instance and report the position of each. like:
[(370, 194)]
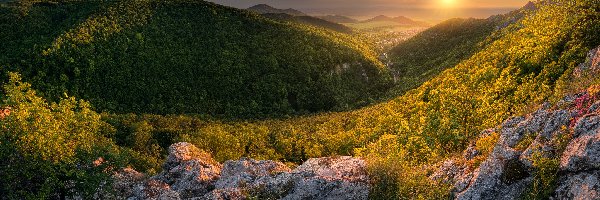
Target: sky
[(428, 10)]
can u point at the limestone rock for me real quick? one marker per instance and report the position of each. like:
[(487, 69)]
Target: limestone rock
[(189, 171), (584, 185), (155, 190)]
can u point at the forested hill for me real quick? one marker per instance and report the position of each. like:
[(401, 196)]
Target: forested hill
[(185, 56), (444, 45), (310, 21)]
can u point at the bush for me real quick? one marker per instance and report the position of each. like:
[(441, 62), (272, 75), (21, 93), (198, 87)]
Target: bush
[(51, 150)]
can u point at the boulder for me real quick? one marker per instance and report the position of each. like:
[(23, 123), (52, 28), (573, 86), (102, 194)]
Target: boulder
[(582, 154), (507, 172), (249, 173), (124, 182), (154, 190), (587, 125), (330, 178), (585, 185), (189, 171)]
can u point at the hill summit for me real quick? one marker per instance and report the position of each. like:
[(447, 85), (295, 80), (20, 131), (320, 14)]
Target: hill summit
[(267, 9), (400, 19)]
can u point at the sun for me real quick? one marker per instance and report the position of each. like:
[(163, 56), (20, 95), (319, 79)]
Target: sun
[(448, 3)]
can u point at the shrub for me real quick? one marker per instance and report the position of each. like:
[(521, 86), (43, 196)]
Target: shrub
[(48, 150)]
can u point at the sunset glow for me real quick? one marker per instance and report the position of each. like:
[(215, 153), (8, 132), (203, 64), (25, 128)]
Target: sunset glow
[(448, 3)]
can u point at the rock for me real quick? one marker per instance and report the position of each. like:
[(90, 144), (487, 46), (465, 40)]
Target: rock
[(154, 190), (225, 194), (583, 153), (183, 151), (330, 178), (342, 168), (506, 173), (591, 64), (317, 188), (498, 177), (189, 171), (449, 172), (587, 125), (585, 185), (125, 181), (246, 171)]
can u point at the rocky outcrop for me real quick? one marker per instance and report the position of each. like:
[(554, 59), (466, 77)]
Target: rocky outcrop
[(591, 64), (508, 171), (568, 134), (190, 173)]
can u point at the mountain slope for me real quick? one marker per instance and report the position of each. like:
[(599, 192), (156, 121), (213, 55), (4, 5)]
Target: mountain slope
[(433, 50), (338, 19), (193, 57), (445, 45), (311, 21), (266, 9), (400, 20), (436, 119)]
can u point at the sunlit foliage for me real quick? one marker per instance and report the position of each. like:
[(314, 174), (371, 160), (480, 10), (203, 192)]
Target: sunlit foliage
[(47, 150), (523, 64), (188, 56)]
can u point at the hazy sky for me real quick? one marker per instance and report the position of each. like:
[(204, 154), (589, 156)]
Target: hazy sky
[(432, 10)]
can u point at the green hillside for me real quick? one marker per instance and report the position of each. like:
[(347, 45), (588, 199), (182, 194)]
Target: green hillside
[(444, 45), (311, 21), (47, 150), (433, 50), (528, 62), (188, 56)]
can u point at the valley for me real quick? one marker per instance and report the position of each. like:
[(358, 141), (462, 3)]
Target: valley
[(186, 99)]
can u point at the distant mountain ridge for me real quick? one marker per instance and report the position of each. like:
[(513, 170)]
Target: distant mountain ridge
[(266, 9), (309, 20), (338, 19), (400, 19)]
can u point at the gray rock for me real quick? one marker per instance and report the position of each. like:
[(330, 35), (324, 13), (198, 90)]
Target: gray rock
[(224, 194), (587, 125), (506, 173), (330, 178), (248, 172), (583, 153), (497, 178), (154, 190), (591, 64), (124, 182), (585, 185), (189, 171), (343, 168), (449, 172)]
